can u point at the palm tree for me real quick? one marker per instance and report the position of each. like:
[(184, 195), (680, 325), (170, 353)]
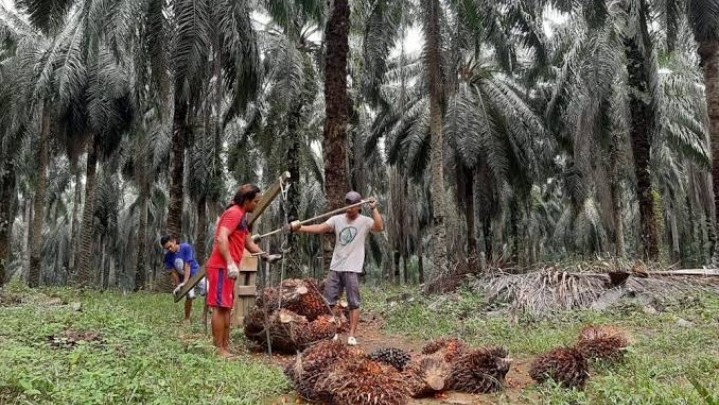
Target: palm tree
[(282, 114), (11, 129), (641, 69), (236, 51), (34, 54), (703, 19), (108, 117), (435, 81), (588, 110)]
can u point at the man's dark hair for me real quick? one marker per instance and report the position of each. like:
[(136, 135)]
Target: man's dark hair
[(246, 192), (165, 239)]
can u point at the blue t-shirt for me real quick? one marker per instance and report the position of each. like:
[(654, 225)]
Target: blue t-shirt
[(187, 255)]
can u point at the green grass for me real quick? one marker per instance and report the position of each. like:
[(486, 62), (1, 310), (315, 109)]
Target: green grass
[(146, 358), (149, 358), (659, 365)]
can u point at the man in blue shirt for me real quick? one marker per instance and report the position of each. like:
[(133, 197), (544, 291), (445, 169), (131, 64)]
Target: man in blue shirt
[(180, 262)]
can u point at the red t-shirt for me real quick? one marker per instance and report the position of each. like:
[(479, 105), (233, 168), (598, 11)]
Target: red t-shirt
[(235, 220)]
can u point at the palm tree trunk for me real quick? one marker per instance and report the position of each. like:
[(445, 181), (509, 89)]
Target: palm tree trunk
[(405, 269), (642, 126), (142, 249), (217, 131), (104, 271), (486, 198), (397, 276), (709, 55), (439, 250), (617, 206), (180, 134), (465, 186), (27, 221), (7, 213), (514, 230), (292, 205), (617, 214), (334, 143), (84, 263), (38, 218), (674, 235), (200, 244), (75, 220), (420, 262), (112, 272), (487, 231)]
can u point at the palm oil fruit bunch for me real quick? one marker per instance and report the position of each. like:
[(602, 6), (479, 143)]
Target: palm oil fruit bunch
[(567, 366), (449, 348), (324, 327), (314, 364), (396, 358), (426, 375), (363, 382), (480, 371), (603, 343), (312, 304)]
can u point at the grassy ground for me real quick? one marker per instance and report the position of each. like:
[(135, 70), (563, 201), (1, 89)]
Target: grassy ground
[(660, 361), (147, 357)]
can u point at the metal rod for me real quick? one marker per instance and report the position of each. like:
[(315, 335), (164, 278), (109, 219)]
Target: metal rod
[(306, 221)]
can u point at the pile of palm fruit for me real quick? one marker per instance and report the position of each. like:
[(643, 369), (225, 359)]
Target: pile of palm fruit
[(330, 372), (569, 366), (333, 373), (292, 316)]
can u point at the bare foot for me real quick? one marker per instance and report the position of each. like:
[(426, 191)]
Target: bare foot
[(224, 354)]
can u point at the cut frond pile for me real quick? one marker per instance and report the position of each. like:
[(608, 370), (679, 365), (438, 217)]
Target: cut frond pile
[(546, 290), (554, 289)]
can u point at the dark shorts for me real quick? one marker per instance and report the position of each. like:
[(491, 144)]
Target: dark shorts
[(220, 288), (337, 281)]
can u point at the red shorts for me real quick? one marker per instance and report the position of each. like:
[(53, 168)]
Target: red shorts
[(220, 288)]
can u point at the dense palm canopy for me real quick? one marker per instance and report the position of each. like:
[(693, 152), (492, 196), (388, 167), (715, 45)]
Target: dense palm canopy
[(491, 132)]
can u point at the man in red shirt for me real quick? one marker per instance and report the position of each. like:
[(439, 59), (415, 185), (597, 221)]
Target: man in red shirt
[(230, 243)]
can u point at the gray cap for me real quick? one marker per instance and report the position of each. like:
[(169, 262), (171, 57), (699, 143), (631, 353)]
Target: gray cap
[(353, 197)]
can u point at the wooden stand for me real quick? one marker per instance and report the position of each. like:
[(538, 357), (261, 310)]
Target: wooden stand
[(245, 289)]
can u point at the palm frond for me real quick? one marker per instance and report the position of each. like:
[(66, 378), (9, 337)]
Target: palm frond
[(704, 19), (191, 45), (47, 15), (384, 22)]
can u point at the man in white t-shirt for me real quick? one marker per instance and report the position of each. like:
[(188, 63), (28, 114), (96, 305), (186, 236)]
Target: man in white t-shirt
[(351, 230)]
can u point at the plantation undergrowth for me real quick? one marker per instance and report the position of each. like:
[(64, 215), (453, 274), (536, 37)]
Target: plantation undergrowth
[(117, 349)]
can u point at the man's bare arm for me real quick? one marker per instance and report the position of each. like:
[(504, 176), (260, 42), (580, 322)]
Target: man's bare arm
[(316, 229), (186, 275), (378, 222), (223, 244), (252, 246)]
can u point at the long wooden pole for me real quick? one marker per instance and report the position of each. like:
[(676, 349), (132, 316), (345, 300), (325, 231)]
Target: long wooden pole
[(256, 238)]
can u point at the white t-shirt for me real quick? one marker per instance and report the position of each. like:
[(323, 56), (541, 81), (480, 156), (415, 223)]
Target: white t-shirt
[(350, 242)]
